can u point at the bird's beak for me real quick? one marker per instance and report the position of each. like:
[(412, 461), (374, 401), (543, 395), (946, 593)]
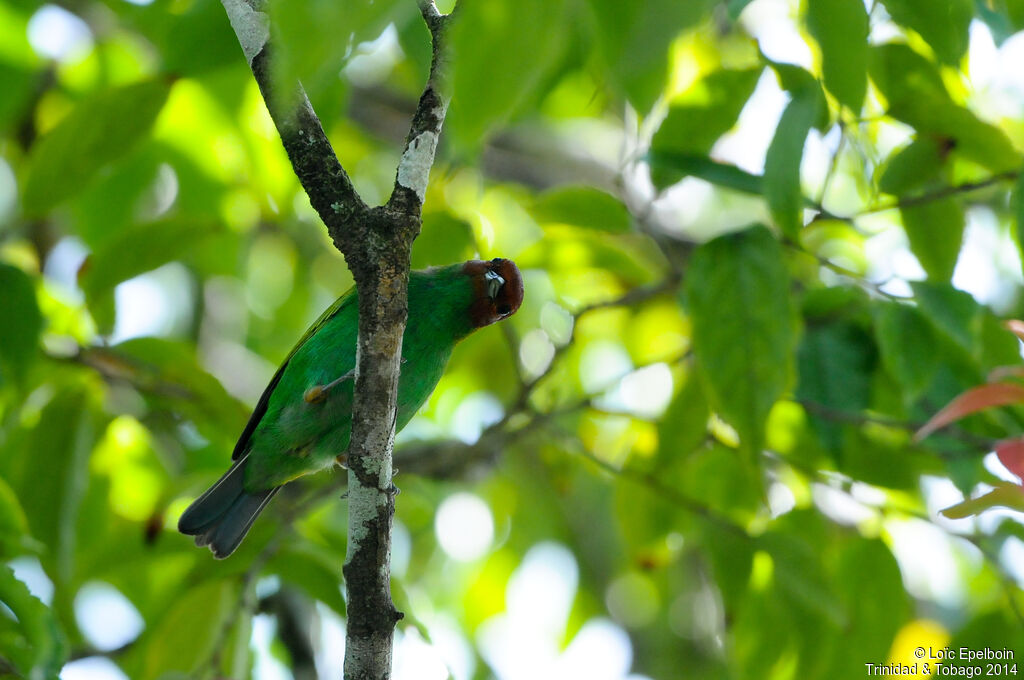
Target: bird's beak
[(494, 283)]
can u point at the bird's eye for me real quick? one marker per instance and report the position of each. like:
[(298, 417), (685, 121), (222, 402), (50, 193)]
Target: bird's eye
[(504, 310), (494, 283)]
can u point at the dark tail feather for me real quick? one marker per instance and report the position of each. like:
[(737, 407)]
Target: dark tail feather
[(221, 517)]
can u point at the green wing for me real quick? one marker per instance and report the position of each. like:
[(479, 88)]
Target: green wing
[(261, 406)]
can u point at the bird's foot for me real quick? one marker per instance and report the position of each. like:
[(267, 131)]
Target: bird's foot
[(318, 393)]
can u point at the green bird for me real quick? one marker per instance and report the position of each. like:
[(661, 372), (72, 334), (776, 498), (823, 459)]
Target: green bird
[(302, 422)]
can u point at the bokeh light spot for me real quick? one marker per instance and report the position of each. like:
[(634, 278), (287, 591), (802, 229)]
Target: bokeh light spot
[(106, 617), (464, 527)]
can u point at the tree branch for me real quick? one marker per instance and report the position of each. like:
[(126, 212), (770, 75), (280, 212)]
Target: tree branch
[(421, 143), (377, 245), (326, 183)]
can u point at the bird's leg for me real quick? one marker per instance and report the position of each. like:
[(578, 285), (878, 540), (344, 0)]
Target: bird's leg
[(318, 393)]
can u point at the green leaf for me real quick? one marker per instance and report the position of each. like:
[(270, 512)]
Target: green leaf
[(98, 131), (782, 163), (978, 141), (880, 457), (634, 39), (719, 478), (644, 518), (185, 637), (841, 29), (737, 293), (935, 230), (912, 167), (668, 167), (917, 96), (13, 524), (905, 77), (799, 575), (18, 84), (835, 363), (318, 576), (877, 607), (170, 378), (684, 424), (705, 112), (54, 473), (312, 39), (198, 40), (19, 65), (1003, 18), (731, 556), (1018, 214), (954, 313), (497, 67), (443, 239), (582, 206), (906, 342), (977, 634), (1015, 13), (799, 82), (735, 7), (20, 338), (943, 25), (136, 250), (38, 648)]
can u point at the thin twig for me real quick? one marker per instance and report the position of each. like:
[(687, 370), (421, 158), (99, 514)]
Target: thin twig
[(943, 192), (864, 418), (833, 163), (631, 297)]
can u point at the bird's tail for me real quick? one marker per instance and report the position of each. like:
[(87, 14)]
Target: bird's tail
[(221, 517)]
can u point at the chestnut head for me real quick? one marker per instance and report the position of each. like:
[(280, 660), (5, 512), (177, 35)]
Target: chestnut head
[(498, 288)]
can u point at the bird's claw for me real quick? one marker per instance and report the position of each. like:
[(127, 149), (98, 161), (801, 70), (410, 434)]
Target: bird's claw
[(318, 393)]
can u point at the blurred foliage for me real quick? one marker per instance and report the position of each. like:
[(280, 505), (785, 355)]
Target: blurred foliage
[(708, 397)]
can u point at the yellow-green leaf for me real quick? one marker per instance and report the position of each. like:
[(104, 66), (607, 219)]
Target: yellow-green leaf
[(1004, 495)]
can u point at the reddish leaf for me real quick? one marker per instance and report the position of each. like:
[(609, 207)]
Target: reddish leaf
[(1000, 372), (972, 401), (1011, 454), (1015, 326)]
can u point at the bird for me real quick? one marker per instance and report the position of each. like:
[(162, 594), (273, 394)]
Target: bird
[(303, 420)]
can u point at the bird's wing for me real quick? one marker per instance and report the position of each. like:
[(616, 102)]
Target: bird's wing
[(348, 298)]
